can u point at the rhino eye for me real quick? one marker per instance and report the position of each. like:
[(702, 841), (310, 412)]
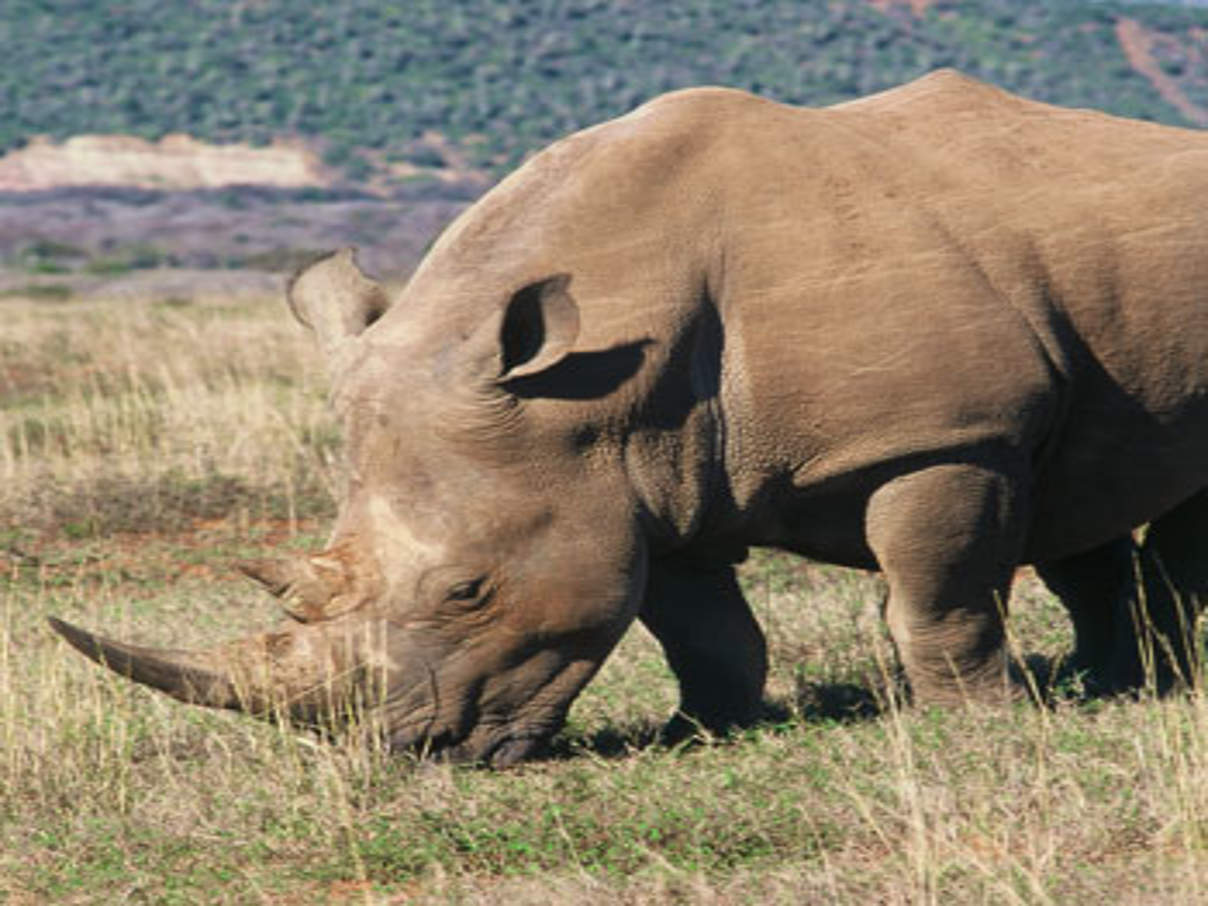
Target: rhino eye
[(465, 591)]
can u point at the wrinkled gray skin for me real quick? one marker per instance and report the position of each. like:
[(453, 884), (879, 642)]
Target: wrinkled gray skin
[(939, 332)]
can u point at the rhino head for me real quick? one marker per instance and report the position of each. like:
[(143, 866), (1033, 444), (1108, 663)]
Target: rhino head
[(470, 588)]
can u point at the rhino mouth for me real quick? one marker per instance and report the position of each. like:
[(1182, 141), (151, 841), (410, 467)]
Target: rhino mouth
[(450, 728), (499, 748), (495, 720)]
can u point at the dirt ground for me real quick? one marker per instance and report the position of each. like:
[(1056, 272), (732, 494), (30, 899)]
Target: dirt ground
[(119, 242)]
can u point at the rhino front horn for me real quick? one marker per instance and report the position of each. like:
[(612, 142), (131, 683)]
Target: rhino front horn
[(181, 674), (309, 673)]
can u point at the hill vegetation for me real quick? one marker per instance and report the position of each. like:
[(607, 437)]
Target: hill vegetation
[(502, 77)]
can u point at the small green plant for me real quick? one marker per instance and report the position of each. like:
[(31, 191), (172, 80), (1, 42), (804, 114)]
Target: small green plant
[(50, 256), (137, 256)]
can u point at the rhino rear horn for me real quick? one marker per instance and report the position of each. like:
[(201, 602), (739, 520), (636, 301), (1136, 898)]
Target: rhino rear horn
[(302, 591), (306, 588), (333, 297)]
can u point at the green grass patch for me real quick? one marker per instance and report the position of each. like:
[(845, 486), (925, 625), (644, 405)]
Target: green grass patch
[(982, 805)]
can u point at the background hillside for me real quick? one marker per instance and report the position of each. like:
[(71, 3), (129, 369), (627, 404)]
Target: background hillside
[(502, 77), (387, 118)]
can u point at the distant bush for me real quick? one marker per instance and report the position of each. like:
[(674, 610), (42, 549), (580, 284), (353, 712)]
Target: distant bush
[(121, 260), (49, 256)]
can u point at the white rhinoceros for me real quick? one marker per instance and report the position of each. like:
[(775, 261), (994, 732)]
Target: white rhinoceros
[(938, 332)]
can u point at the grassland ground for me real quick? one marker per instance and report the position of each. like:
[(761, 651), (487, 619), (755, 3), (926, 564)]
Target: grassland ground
[(144, 445)]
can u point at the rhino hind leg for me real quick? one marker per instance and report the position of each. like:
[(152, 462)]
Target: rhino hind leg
[(1174, 572), (947, 537), (1098, 589), (713, 644), (1134, 606)]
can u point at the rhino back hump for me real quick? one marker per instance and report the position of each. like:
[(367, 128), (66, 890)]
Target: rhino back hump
[(946, 265)]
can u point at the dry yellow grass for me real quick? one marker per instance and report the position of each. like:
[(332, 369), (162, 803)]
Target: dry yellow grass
[(144, 445), (142, 399)]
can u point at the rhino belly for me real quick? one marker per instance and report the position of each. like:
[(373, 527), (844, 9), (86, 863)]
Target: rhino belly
[(1112, 473)]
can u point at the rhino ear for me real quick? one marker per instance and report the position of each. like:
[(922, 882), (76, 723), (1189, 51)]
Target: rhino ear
[(539, 327), (335, 299)]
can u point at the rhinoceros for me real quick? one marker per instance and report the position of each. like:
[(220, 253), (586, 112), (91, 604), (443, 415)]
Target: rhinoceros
[(938, 332)]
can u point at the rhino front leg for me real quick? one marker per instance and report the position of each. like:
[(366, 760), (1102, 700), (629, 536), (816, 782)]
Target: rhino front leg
[(948, 538), (712, 642)]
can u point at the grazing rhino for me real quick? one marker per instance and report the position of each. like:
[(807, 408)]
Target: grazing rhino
[(939, 332)]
